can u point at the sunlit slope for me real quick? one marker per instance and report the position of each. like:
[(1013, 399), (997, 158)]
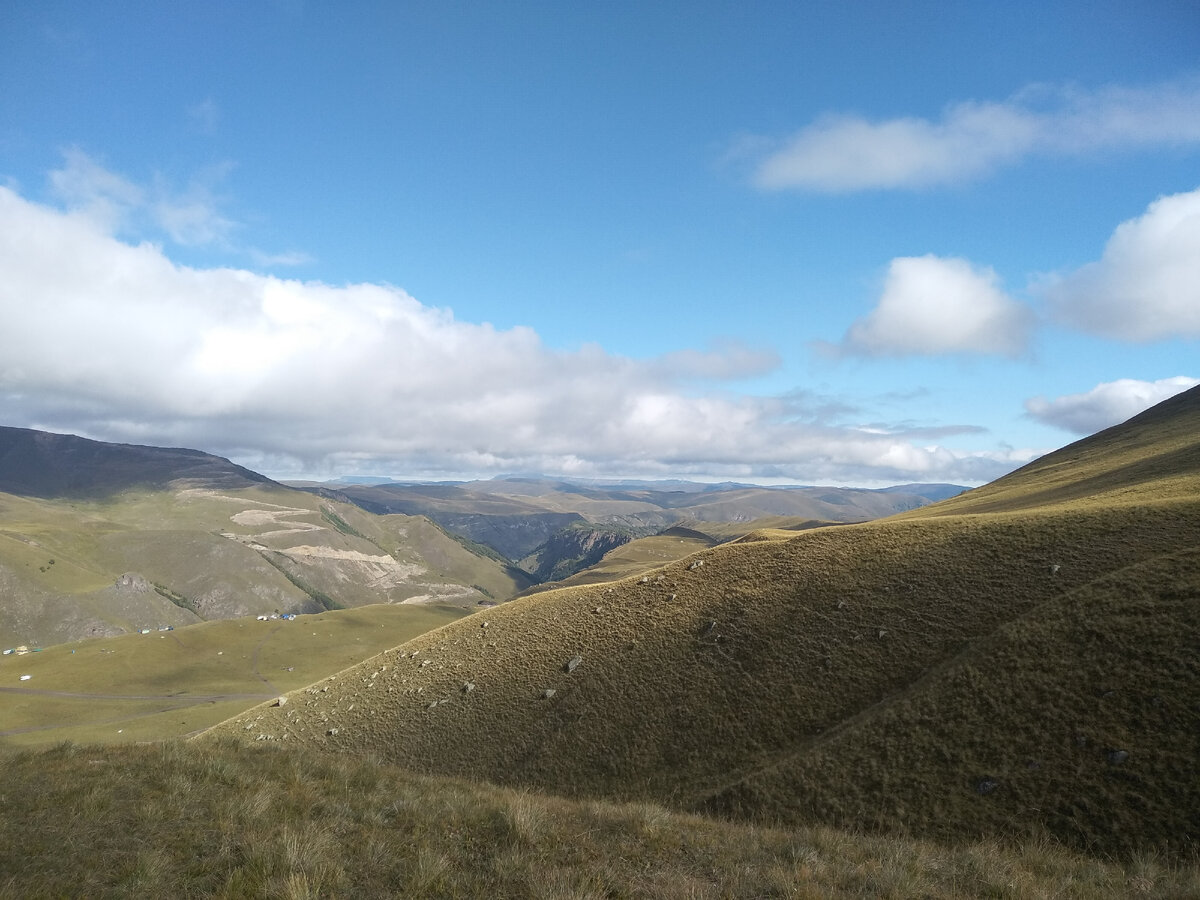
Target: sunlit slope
[(73, 568), (730, 684), (1153, 457), (137, 687)]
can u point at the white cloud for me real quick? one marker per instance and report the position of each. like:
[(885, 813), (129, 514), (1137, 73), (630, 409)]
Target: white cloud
[(934, 305), (118, 342), (1146, 285), (844, 152), (1106, 404)]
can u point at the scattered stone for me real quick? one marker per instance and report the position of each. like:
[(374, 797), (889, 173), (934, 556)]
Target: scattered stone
[(484, 624), (670, 598), (1116, 757), (425, 662), (842, 604), (280, 701), (573, 663), (645, 579), (548, 693), (468, 686), (695, 564), (708, 629), (332, 732), (986, 785), (882, 633), (433, 705), (597, 609), (1054, 567)]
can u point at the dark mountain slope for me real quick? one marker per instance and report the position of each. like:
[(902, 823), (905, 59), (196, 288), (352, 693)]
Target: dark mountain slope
[(45, 465)]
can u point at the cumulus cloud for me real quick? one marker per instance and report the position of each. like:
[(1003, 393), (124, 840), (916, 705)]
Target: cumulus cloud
[(1106, 404), (846, 152), (935, 305), (116, 341), (1146, 285)]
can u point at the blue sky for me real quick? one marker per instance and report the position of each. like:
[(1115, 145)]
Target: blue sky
[(858, 243)]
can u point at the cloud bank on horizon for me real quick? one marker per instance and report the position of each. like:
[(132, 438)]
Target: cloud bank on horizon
[(302, 376), (299, 377)]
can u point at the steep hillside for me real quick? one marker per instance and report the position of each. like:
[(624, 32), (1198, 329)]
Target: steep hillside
[(904, 665), (635, 557), (1154, 456), (572, 549), (208, 543)]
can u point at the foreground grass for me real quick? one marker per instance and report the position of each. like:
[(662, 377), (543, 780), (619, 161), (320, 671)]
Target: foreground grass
[(229, 821)]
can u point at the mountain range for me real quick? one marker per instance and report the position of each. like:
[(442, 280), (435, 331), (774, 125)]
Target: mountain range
[(98, 538)]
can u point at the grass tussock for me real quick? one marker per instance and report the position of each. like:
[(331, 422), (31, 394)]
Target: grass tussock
[(222, 820)]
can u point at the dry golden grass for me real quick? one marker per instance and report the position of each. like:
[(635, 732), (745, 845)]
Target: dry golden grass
[(877, 675), (220, 820)]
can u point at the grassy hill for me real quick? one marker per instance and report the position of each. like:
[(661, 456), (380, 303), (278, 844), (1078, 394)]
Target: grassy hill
[(103, 550), (1018, 660)]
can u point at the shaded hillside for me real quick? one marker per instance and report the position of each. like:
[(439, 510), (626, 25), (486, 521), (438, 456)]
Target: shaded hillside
[(634, 558), (734, 678), (41, 464), (173, 820), (572, 549)]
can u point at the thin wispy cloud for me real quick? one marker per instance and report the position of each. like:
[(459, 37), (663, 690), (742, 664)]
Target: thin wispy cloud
[(1106, 404), (190, 216), (205, 116), (120, 342), (845, 152)]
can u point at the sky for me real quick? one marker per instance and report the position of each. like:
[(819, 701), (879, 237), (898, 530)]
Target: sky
[(855, 243)]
